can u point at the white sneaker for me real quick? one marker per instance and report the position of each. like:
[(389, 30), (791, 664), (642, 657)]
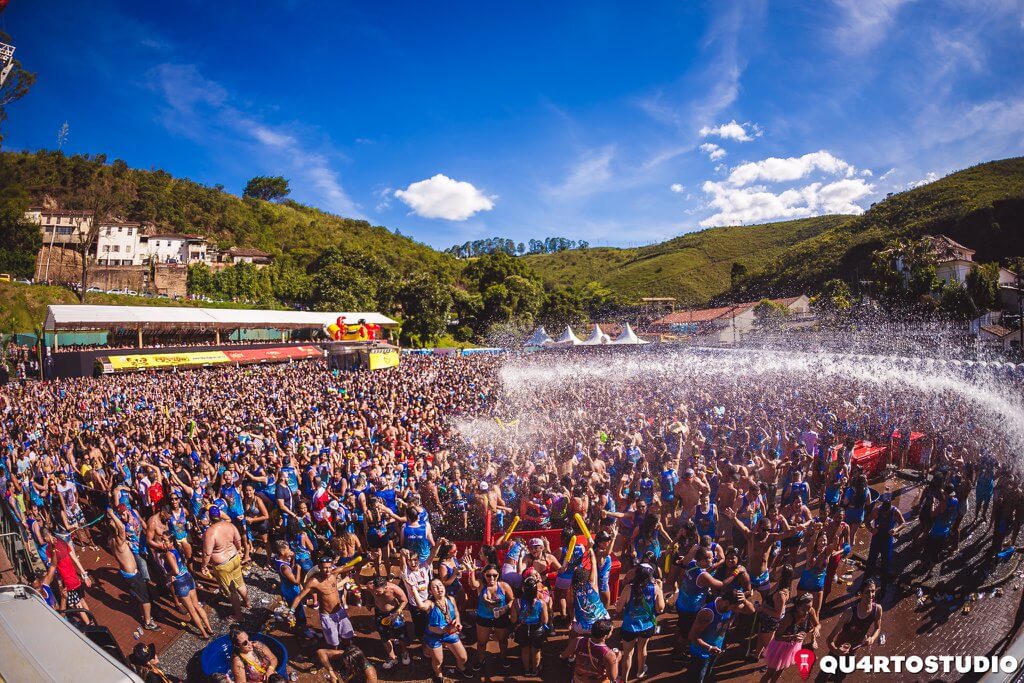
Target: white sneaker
[(405, 659)]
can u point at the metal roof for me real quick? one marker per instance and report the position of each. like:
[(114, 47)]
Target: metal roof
[(85, 317)]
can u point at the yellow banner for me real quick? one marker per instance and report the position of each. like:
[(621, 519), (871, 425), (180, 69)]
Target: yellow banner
[(163, 360), (383, 358)]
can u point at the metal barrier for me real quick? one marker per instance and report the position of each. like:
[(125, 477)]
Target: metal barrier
[(12, 545)]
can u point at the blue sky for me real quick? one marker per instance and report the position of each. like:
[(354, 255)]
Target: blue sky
[(618, 123)]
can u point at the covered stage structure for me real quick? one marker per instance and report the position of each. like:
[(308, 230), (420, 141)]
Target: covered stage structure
[(541, 340), (163, 337)]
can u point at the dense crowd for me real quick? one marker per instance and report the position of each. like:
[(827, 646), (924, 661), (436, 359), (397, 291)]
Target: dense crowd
[(722, 497)]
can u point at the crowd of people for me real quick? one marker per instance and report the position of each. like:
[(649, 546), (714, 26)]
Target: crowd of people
[(730, 500)]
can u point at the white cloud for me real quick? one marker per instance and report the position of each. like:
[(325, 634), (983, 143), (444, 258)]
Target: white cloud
[(677, 188), (757, 204), (863, 24), (887, 173), (930, 178), (443, 197), (588, 176), (774, 169), (713, 151), (732, 131)]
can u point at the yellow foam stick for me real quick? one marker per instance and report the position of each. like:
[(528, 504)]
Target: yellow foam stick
[(583, 527), (511, 529), (568, 551), (668, 557), (353, 562)]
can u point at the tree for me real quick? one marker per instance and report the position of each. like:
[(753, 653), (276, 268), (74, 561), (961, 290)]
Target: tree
[(833, 299), (509, 291), (337, 287), (267, 188), (956, 302), (983, 285), (769, 314), (199, 279), (19, 82), (21, 239), (99, 203), (426, 306), (562, 307), (905, 271), (737, 273), (380, 278)]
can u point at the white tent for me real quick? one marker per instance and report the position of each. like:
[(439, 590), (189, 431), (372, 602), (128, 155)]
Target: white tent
[(597, 337), (628, 336), (568, 338), (540, 337)]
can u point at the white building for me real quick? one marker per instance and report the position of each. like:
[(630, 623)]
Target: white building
[(176, 248), (61, 228), (954, 260), (729, 324), (118, 244)]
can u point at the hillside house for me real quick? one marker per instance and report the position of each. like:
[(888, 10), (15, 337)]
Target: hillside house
[(728, 324), (118, 244), (61, 228), (257, 257), (176, 248)]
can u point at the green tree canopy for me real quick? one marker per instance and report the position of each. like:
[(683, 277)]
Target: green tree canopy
[(956, 302), (833, 298), (983, 285), (426, 307), (267, 188)]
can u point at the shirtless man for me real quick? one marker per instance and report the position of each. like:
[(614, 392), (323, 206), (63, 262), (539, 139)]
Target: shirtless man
[(334, 621), (688, 492), (389, 603), (760, 543), (129, 569), (222, 547)]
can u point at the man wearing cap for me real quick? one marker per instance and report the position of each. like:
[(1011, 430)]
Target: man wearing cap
[(222, 547)]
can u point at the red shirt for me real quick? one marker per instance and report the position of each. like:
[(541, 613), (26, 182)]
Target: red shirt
[(60, 555)]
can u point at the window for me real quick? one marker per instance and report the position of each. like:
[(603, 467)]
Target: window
[(128, 249), (130, 230), (116, 247), (106, 247), (64, 230)]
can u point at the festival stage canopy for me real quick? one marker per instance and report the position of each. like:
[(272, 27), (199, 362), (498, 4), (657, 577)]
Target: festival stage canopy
[(568, 338), (184, 318)]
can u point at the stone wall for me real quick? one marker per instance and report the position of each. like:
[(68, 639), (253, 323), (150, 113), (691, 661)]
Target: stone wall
[(65, 268)]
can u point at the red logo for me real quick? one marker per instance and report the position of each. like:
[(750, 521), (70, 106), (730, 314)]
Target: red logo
[(804, 663)]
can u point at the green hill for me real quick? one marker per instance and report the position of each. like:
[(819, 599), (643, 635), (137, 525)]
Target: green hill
[(287, 229), (693, 268), (981, 207)]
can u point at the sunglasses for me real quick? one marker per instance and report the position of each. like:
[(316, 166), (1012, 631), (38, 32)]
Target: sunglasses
[(490, 576)]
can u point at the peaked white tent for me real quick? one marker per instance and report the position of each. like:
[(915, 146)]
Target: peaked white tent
[(540, 337), (628, 336), (597, 337), (568, 338)]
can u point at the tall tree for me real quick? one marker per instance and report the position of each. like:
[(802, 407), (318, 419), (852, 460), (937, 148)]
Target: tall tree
[(267, 188), (99, 203), (983, 285), (21, 239), (19, 82), (426, 306)]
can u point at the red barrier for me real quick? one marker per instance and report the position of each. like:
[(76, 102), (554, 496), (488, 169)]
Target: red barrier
[(913, 458), (870, 457)]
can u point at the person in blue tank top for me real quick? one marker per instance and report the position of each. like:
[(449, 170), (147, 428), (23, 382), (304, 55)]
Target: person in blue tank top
[(493, 613), (586, 603), (442, 630), (530, 616), (705, 516), (695, 586), (709, 630), (416, 535), (941, 529), (639, 603), (184, 586)]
